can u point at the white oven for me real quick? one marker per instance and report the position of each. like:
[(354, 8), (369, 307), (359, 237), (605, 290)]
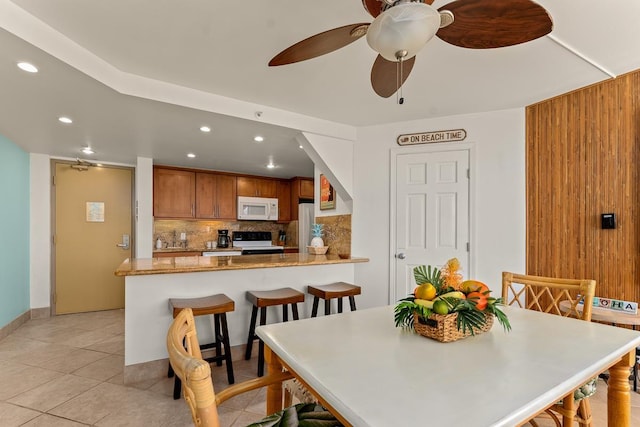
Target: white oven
[(257, 208)]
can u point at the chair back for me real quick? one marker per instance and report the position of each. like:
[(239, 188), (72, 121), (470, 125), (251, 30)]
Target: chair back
[(546, 293), (195, 373)]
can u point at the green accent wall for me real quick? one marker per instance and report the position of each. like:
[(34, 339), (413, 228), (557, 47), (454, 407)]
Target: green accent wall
[(14, 229)]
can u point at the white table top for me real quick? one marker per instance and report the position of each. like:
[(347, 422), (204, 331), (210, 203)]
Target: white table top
[(375, 374)]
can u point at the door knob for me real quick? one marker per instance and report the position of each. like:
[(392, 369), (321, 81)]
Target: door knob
[(401, 256)]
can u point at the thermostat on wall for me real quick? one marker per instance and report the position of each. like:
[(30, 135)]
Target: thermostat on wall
[(608, 220)]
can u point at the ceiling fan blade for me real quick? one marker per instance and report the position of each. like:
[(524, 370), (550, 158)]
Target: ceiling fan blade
[(384, 75), (374, 7), (484, 24), (320, 44)]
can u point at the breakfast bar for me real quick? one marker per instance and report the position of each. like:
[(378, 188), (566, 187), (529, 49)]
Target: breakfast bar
[(149, 283)]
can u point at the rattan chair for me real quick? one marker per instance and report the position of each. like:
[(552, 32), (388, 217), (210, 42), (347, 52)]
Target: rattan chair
[(197, 385), (545, 294)]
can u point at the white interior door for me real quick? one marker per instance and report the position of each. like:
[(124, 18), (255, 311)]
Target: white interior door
[(432, 213)]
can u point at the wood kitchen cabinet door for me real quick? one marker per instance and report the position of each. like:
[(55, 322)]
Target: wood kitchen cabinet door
[(283, 189), (174, 193), (306, 188), (215, 196), (301, 189), (256, 187)]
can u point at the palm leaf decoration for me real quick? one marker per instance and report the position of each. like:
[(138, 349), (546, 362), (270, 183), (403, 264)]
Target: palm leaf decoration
[(403, 312), (427, 274)]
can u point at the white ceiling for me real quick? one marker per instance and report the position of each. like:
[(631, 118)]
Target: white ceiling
[(222, 48)]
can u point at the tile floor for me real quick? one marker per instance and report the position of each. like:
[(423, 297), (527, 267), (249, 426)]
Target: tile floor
[(66, 371)]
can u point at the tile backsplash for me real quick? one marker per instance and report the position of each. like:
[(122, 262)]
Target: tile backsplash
[(337, 232), (199, 232)]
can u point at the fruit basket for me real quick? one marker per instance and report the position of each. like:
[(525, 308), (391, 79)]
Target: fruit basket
[(445, 308), (443, 327)]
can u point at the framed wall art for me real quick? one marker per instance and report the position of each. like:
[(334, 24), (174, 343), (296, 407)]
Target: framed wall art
[(327, 194)]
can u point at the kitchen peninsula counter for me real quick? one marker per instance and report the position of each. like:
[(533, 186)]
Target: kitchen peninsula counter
[(192, 264), (150, 283)]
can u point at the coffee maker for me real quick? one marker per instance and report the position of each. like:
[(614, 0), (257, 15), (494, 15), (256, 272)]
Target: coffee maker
[(223, 238)]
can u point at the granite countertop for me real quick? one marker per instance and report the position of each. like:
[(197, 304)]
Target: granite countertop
[(235, 249), (190, 264)]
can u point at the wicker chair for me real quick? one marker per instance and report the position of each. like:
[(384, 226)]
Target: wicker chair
[(545, 294), (197, 385)]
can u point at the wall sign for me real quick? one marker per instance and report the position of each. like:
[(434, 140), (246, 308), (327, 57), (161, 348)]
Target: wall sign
[(95, 211), (629, 307), (432, 137)]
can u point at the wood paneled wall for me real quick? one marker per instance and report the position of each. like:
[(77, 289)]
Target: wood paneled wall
[(583, 155)]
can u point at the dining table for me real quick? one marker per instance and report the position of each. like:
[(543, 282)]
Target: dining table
[(368, 372)]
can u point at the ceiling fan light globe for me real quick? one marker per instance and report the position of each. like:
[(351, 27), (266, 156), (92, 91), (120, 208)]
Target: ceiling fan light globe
[(405, 27)]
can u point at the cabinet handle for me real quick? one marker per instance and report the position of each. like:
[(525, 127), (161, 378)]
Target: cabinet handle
[(191, 209)]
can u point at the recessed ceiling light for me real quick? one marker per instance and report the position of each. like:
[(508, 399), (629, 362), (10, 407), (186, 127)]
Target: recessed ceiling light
[(271, 166), (29, 68), (300, 146), (191, 155), (87, 150), (66, 120), (258, 139), (205, 128)]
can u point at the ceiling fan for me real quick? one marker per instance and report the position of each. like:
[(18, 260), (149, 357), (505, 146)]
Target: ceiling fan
[(401, 28)]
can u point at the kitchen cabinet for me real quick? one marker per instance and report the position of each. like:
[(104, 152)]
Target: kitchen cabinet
[(174, 193), (302, 189), (283, 190), (215, 196), (256, 187), (306, 188)]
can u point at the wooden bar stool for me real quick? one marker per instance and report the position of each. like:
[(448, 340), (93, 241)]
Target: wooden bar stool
[(333, 290), (262, 300), (217, 305)]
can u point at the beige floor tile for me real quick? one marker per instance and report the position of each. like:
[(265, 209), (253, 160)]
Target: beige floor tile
[(16, 378), (54, 393), (18, 348), (103, 369), (46, 420), (112, 345), (66, 359), (97, 403), (83, 338), (163, 387), (246, 418), (13, 416)]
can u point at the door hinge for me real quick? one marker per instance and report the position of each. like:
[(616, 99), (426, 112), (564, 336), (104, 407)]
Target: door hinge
[(467, 246), (53, 180), (468, 173), (53, 239)]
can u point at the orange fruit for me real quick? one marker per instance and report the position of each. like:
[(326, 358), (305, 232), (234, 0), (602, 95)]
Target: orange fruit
[(425, 291), (479, 298)]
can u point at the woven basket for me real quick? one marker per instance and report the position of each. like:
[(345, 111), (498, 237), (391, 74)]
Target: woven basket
[(443, 327), (317, 250)]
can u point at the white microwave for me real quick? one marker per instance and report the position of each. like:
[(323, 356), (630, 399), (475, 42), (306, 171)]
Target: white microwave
[(257, 208)]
